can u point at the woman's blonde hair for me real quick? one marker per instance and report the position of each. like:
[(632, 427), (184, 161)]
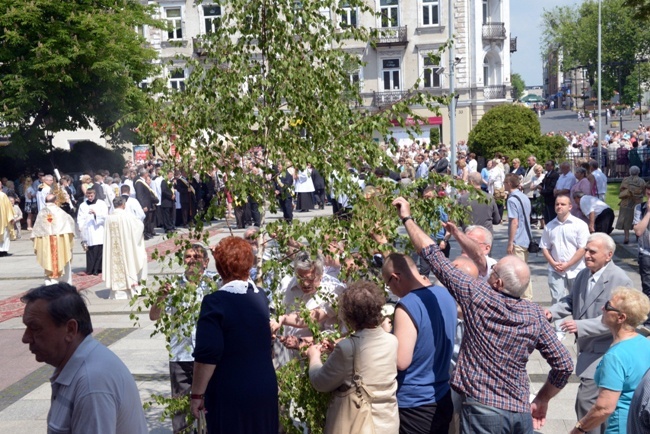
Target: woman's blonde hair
[(633, 303)]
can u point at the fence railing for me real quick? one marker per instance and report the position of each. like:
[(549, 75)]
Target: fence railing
[(615, 163)]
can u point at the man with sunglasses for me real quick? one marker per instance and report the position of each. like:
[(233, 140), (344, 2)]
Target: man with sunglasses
[(500, 330), (591, 289)]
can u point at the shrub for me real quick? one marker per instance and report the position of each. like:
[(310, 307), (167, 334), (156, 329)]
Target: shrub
[(510, 129)]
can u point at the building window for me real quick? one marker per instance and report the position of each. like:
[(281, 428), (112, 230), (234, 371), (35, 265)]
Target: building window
[(486, 12), (355, 78), (391, 74), (211, 17), (174, 19), (348, 17), (142, 31), (177, 80), (430, 12), (389, 13), (431, 75)]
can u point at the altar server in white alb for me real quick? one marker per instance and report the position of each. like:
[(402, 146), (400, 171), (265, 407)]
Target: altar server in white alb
[(90, 219), (125, 257)]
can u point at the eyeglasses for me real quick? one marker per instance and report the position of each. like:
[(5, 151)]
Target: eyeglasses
[(494, 271), (609, 308), (307, 279)]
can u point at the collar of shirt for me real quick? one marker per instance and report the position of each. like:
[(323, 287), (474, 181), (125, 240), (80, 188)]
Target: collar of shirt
[(597, 274), (67, 373)]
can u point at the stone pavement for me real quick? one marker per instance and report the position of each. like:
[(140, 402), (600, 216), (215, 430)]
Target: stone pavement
[(24, 385), (566, 120)]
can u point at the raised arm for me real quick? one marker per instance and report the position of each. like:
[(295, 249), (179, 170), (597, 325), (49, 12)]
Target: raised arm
[(418, 237)]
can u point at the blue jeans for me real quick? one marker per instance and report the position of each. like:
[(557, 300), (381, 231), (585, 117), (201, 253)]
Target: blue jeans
[(477, 418)]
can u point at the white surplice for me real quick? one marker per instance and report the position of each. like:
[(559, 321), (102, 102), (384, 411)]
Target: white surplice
[(91, 226), (125, 258)]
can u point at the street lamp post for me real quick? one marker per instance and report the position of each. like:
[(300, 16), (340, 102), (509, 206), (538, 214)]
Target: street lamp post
[(638, 68), (452, 102), (600, 83)]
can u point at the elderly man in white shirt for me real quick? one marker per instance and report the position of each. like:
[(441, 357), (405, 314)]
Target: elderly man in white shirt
[(565, 181), (600, 216)]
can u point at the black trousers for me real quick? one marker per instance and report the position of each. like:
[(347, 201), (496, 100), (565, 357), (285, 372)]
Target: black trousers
[(94, 256), (549, 212), (605, 221), (148, 223), (180, 374), (431, 418), (167, 215), (286, 205)]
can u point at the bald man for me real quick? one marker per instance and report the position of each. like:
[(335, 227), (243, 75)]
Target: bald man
[(501, 329), (425, 325), (466, 265)]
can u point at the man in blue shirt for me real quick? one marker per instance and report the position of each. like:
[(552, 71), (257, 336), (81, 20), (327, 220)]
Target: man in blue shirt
[(518, 223), (425, 326)]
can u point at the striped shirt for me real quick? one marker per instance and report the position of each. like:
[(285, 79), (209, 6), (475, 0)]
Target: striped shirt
[(500, 333)]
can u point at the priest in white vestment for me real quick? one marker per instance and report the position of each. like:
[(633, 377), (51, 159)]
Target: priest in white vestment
[(125, 257), (6, 223), (53, 235), (90, 219)]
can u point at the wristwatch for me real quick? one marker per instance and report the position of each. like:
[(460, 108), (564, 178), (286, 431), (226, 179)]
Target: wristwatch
[(405, 219), (579, 427)]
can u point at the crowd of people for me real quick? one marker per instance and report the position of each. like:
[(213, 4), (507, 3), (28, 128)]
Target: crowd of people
[(452, 357)]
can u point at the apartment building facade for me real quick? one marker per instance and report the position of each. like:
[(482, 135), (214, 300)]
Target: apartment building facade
[(409, 31)]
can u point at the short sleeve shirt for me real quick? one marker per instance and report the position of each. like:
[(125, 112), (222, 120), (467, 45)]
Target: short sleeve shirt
[(520, 210)]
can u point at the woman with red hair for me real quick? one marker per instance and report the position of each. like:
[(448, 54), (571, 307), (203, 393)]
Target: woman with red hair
[(234, 380)]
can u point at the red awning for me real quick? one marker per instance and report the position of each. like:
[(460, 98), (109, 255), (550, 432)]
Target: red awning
[(432, 120)]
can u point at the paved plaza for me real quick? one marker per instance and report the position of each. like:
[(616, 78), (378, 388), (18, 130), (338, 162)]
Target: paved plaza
[(24, 385), (557, 120)]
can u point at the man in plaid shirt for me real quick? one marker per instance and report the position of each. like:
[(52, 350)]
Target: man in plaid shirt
[(501, 330)]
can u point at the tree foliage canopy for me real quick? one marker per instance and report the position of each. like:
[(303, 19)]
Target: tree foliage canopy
[(518, 85), (65, 64), (625, 38), (274, 88)]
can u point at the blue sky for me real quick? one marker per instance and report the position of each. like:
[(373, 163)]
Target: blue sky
[(525, 24)]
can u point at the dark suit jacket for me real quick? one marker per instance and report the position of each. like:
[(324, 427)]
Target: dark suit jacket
[(166, 193), (594, 338), (441, 165), (548, 185), (143, 194)]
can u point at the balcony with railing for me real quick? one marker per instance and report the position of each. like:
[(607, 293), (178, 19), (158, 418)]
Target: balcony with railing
[(388, 36), (495, 91), (388, 97), (513, 44), (199, 47), (494, 31)]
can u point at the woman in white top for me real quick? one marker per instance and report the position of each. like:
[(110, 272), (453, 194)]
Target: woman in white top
[(496, 176), (304, 190)]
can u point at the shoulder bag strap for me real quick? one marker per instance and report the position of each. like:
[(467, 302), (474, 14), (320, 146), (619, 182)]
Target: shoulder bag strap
[(527, 225)]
